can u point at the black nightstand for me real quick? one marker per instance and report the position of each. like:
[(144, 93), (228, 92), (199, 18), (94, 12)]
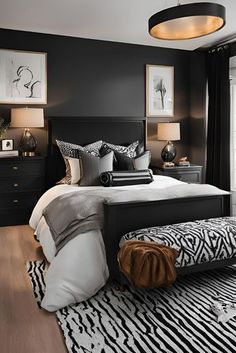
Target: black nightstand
[(22, 182), (191, 174)]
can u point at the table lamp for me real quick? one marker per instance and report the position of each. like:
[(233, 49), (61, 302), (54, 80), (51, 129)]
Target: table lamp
[(27, 118), (168, 132)]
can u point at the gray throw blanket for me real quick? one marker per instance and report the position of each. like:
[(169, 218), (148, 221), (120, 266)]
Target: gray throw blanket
[(71, 214), (74, 213)]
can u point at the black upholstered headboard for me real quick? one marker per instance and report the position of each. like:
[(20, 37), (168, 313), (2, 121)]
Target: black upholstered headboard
[(85, 130)]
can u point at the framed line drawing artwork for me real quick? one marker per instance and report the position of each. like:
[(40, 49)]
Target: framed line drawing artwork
[(23, 77), (159, 91)]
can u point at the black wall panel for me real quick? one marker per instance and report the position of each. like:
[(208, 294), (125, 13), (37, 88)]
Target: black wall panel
[(99, 78)]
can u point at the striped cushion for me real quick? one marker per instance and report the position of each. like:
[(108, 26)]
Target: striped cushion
[(121, 178)]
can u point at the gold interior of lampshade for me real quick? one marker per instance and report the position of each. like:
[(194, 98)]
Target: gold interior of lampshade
[(27, 117), (187, 27), (168, 131)]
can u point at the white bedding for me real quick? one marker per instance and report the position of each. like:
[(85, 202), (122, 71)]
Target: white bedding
[(79, 270)]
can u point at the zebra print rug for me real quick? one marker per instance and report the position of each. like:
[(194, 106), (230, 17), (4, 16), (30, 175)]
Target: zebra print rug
[(173, 320)]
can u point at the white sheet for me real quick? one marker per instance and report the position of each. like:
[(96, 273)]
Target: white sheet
[(79, 270), (159, 182)]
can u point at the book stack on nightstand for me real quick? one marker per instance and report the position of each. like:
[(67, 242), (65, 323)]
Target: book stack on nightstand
[(21, 184), (188, 174), (12, 153)]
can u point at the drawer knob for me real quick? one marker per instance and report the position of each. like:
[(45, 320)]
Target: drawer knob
[(15, 185), (15, 168), (15, 201)]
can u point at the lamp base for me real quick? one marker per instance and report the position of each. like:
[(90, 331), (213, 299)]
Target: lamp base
[(169, 152), (28, 144), (28, 154)]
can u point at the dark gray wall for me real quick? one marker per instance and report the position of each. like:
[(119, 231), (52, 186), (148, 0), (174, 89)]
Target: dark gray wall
[(98, 78)]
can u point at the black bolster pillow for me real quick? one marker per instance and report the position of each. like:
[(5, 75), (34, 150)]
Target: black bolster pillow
[(126, 177)]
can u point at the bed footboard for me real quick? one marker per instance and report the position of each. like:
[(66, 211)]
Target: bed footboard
[(120, 218)]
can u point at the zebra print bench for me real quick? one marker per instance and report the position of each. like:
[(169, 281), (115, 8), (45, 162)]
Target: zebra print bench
[(198, 242), (123, 217)]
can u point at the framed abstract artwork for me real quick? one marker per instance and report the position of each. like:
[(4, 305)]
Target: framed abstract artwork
[(159, 91), (23, 77)]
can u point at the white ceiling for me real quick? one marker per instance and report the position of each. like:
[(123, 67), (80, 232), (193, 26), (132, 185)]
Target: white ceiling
[(113, 20)]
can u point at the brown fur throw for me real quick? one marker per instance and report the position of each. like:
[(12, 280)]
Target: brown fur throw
[(147, 264)]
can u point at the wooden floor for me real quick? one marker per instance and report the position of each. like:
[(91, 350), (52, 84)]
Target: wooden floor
[(24, 328)]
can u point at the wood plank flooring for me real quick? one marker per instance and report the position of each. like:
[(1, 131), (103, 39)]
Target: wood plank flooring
[(24, 328)]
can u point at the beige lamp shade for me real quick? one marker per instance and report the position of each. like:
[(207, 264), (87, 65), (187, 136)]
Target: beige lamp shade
[(168, 131), (27, 117)]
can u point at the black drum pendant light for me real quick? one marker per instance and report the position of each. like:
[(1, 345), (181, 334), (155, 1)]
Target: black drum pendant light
[(187, 21)]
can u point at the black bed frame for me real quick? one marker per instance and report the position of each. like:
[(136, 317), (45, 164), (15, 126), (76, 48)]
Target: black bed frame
[(120, 218)]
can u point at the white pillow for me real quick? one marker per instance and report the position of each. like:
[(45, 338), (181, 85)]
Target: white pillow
[(142, 162), (75, 173)]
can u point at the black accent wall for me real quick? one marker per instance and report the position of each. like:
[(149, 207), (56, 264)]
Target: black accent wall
[(98, 78)]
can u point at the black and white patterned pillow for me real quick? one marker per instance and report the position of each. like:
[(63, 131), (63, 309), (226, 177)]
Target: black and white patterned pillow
[(67, 177), (93, 148), (68, 149), (129, 151)]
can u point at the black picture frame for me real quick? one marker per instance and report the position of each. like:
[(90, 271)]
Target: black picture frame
[(16, 63)]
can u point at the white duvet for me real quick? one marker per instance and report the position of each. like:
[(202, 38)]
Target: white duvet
[(79, 270)]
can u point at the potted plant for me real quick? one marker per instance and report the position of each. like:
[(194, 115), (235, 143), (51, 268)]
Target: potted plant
[(4, 125)]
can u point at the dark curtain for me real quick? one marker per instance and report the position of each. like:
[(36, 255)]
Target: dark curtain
[(218, 131)]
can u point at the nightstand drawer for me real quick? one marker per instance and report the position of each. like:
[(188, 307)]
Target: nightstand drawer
[(187, 177), (14, 217), (16, 184), (192, 177), (191, 174), (18, 201), (20, 167)]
